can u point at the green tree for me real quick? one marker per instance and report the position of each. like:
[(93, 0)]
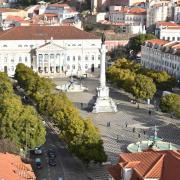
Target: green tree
[(170, 103), (136, 41), (143, 87)]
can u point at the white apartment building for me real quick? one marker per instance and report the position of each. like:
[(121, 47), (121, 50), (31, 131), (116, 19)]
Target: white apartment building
[(63, 11), (161, 55), (177, 13), (132, 16), (168, 31), (158, 11), (49, 50)]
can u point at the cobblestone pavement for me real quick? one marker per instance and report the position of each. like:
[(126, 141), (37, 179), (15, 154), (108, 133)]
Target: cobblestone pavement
[(118, 136)]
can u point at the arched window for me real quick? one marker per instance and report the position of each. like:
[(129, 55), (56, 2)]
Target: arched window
[(86, 66), (51, 56), (57, 56), (73, 66)]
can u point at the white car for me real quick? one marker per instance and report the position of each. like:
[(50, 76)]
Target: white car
[(37, 150)]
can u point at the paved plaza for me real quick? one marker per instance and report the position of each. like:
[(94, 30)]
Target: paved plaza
[(118, 136)]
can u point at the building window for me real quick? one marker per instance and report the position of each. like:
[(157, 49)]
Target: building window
[(178, 38), (79, 58), (5, 59), (86, 66), (99, 57), (99, 65), (26, 59), (73, 66), (4, 45), (68, 67), (40, 57), (86, 57), (20, 59), (12, 68), (51, 56), (173, 38), (19, 45), (25, 45), (68, 58), (46, 57), (74, 58), (92, 57), (57, 56)]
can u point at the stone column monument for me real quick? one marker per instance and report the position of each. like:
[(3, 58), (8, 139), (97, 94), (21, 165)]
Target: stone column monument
[(103, 102)]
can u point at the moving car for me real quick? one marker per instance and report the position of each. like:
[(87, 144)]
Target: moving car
[(52, 162), (51, 153), (38, 163), (37, 151)]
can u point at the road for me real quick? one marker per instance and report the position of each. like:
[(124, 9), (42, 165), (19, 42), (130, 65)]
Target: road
[(68, 167)]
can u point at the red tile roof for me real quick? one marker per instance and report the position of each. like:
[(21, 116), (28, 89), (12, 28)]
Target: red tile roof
[(12, 168), (45, 32), (133, 10), (58, 5), (14, 18), (164, 165), (163, 23), (157, 41), (9, 10)]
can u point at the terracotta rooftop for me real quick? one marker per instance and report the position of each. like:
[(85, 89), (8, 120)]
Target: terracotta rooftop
[(12, 168), (163, 165), (9, 10), (45, 32), (58, 5), (157, 41), (133, 10), (14, 18), (163, 23)]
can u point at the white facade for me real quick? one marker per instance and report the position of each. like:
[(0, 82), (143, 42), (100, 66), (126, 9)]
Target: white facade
[(51, 57), (177, 13), (169, 33), (162, 57), (158, 11), (128, 17)]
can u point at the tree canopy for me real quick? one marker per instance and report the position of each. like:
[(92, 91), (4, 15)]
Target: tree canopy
[(143, 87), (136, 41), (81, 136), (18, 123), (170, 103)]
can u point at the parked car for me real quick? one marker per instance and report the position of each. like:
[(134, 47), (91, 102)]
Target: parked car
[(38, 163), (51, 153), (38, 150), (52, 162)]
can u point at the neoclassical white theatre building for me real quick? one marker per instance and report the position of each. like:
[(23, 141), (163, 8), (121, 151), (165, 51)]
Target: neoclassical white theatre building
[(49, 50)]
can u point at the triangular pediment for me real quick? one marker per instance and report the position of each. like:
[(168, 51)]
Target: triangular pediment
[(50, 46)]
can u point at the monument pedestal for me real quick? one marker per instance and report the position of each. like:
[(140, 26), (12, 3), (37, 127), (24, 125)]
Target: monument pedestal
[(103, 102)]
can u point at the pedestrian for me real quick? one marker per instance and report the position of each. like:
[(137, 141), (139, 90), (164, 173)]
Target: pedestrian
[(117, 138), (109, 124), (149, 112), (144, 132), (81, 105), (138, 106), (133, 129), (126, 124), (139, 135)]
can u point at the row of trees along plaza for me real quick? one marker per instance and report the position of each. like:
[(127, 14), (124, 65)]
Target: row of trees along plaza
[(143, 83), (20, 125), (82, 137)]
